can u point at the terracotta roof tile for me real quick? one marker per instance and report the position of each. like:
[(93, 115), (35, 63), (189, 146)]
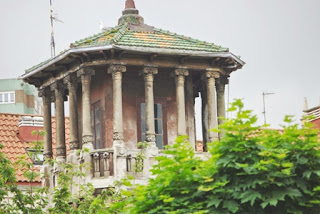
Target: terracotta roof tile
[(14, 146)]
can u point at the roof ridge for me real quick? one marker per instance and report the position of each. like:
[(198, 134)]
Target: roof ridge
[(123, 29), (84, 40), (190, 39)]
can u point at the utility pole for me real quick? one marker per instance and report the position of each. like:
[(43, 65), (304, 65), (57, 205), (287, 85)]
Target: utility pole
[(264, 94)]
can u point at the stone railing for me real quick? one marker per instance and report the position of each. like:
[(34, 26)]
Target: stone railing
[(134, 164), (102, 163), (111, 164)]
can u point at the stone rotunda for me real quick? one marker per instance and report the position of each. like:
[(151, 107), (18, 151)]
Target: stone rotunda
[(130, 83)]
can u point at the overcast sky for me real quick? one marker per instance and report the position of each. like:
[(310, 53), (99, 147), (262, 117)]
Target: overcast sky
[(278, 39)]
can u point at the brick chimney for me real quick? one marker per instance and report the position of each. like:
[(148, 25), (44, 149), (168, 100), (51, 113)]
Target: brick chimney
[(28, 124)]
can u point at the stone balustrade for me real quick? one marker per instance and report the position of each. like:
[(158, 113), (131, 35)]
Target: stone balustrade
[(102, 160)]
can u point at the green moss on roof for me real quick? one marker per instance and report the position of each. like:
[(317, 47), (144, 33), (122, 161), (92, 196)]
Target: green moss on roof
[(157, 38), (121, 35)]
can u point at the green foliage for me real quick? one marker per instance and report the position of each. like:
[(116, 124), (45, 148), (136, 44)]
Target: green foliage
[(251, 170), (172, 188)]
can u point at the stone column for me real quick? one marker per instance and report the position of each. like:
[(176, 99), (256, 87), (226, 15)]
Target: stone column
[(180, 74), (58, 89), (116, 70), (120, 154), (71, 82), (47, 139), (220, 87), (204, 115), (87, 137), (148, 72), (210, 76), (221, 98)]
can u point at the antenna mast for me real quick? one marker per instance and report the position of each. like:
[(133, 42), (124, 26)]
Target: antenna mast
[(53, 45), (52, 19), (264, 94)]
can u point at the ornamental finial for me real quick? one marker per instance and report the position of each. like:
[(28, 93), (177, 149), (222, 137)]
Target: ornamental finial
[(130, 4), (130, 14)]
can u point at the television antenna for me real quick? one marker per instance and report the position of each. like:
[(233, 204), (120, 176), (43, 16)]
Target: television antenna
[(53, 17), (264, 94)]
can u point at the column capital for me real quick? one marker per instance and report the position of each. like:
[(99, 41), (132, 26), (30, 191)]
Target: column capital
[(149, 69), (85, 72), (70, 80), (180, 71), (221, 82), (224, 80), (45, 92), (57, 89), (117, 67), (211, 73), (57, 86)]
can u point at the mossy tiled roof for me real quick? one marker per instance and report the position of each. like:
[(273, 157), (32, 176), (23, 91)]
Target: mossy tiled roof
[(157, 38), (151, 37)]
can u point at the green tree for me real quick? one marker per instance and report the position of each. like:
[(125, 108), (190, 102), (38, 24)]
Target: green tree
[(251, 170)]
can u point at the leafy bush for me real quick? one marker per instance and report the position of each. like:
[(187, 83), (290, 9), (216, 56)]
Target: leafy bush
[(251, 170)]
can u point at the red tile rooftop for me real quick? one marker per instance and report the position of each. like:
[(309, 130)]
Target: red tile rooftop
[(15, 146)]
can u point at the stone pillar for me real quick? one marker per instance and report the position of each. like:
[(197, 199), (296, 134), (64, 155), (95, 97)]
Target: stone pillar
[(180, 74), (47, 139), (71, 82), (116, 70), (204, 116), (120, 154), (210, 76), (221, 106), (148, 72), (58, 89), (87, 137)]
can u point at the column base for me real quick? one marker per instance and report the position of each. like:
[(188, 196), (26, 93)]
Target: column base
[(118, 143), (120, 161), (61, 159), (87, 141), (152, 149)]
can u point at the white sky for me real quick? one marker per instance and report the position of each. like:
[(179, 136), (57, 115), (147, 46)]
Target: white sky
[(278, 39)]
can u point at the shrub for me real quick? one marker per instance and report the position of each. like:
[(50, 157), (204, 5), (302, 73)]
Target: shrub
[(251, 170)]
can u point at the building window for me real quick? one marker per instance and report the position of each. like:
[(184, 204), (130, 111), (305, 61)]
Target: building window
[(35, 156), (159, 122), (96, 124), (7, 97)]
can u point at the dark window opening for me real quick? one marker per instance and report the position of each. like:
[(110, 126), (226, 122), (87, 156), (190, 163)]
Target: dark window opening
[(96, 125), (159, 122)]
